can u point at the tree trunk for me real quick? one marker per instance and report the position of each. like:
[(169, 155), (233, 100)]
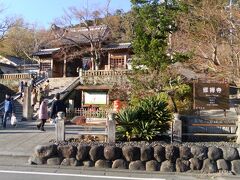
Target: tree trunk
[(215, 55)]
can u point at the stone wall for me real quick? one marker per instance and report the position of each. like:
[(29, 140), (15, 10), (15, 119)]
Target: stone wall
[(163, 158)]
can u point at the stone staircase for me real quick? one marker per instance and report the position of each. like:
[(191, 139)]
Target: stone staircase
[(58, 85), (18, 104)]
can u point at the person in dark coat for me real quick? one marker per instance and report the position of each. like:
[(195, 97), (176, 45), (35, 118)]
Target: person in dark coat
[(57, 106), (8, 109)]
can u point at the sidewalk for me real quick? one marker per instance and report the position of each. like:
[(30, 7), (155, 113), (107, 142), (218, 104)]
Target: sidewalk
[(21, 140)]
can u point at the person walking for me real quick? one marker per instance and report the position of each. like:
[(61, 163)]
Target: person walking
[(40, 95), (43, 114), (33, 98), (8, 109), (21, 88), (46, 88), (57, 106)]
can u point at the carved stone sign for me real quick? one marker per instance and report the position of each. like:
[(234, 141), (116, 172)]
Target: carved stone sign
[(210, 94)]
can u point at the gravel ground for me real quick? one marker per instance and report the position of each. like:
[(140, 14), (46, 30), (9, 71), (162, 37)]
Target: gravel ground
[(93, 141)]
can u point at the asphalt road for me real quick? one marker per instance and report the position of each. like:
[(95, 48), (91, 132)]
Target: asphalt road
[(27, 175), (16, 168)]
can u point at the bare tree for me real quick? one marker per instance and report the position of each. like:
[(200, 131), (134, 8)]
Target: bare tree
[(5, 23), (89, 33)]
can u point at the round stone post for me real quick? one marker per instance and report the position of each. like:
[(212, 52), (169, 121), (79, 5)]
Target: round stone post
[(238, 129), (60, 127), (177, 129), (111, 127), (27, 109)]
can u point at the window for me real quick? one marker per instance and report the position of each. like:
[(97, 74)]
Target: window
[(117, 62)]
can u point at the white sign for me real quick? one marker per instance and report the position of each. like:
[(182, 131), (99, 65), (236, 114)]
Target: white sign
[(95, 97)]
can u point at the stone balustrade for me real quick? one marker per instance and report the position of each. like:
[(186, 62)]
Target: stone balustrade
[(15, 76), (90, 73)]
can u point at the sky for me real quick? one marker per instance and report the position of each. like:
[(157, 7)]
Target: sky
[(44, 12)]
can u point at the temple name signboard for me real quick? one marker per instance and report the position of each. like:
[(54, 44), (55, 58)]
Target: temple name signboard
[(210, 94)]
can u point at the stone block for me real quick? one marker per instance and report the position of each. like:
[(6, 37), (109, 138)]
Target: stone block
[(146, 153), (235, 167), (182, 165), (69, 162), (119, 164), (195, 164), (82, 152), (88, 163), (96, 153), (46, 151), (67, 151), (103, 164), (112, 153), (137, 165), (159, 153), (230, 153), (131, 153), (152, 165), (223, 165), (54, 161), (171, 153), (167, 166), (214, 153), (185, 152), (199, 152), (209, 166)]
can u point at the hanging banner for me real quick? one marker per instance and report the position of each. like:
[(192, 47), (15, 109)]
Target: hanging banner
[(210, 94)]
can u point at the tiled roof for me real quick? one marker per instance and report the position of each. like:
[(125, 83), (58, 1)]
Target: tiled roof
[(7, 65), (84, 35), (117, 46), (16, 61), (45, 51)]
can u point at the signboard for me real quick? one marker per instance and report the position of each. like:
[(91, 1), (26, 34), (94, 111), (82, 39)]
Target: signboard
[(95, 97), (211, 94)]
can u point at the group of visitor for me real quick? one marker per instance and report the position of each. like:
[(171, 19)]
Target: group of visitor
[(38, 95)]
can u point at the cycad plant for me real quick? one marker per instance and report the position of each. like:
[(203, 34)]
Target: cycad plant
[(146, 120)]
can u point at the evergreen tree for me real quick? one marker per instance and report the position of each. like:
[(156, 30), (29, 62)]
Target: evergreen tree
[(154, 22)]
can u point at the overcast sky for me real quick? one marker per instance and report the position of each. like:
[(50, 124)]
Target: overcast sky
[(44, 12)]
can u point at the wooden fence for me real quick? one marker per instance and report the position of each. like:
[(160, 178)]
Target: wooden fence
[(86, 113), (107, 129)]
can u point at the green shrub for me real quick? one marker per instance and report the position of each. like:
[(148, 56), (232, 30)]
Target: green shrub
[(145, 120)]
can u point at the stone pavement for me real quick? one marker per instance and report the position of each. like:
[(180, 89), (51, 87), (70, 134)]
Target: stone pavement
[(22, 139)]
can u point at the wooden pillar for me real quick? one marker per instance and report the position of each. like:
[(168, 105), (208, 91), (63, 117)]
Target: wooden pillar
[(109, 57), (125, 61), (111, 125), (27, 109), (64, 67)]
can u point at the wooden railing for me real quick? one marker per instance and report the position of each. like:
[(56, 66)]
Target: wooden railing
[(86, 113), (89, 73), (108, 129), (15, 76)]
